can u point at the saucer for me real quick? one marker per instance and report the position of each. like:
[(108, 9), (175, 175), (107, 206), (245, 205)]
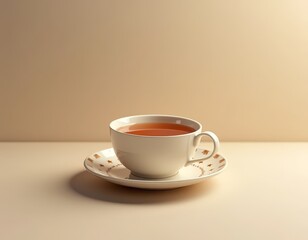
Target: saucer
[(106, 165)]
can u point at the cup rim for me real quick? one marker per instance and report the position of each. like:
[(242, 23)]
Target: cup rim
[(111, 127)]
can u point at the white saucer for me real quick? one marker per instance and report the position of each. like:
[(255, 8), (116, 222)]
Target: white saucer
[(106, 165)]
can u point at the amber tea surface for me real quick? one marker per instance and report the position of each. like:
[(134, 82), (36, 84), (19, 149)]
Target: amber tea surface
[(156, 129)]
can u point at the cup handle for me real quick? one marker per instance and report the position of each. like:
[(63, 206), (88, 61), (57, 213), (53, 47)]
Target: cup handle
[(197, 139)]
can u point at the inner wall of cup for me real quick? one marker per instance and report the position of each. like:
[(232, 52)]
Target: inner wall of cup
[(121, 122)]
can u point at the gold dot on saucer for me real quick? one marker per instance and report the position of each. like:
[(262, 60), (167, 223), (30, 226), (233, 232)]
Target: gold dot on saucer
[(209, 165), (101, 165), (216, 156), (109, 161), (201, 162), (96, 155), (205, 152), (221, 161)]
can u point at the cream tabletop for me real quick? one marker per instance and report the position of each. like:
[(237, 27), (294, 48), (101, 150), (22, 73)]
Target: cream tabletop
[(47, 194)]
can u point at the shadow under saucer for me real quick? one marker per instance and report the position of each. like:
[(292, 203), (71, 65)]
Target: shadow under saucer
[(94, 187)]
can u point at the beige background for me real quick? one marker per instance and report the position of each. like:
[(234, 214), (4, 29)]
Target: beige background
[(69, 67)]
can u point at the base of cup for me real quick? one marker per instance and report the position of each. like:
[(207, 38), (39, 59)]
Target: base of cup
[(145, 176)]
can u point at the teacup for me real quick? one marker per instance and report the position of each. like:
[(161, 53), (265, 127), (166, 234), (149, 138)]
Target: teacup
[(157, 146)]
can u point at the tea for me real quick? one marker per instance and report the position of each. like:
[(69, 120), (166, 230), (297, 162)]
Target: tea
[(156, 129)]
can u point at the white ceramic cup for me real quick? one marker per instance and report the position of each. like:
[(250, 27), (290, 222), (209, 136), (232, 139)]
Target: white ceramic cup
[(158, 156)]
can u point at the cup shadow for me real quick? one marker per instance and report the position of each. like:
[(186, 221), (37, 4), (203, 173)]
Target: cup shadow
[(94, 187)]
